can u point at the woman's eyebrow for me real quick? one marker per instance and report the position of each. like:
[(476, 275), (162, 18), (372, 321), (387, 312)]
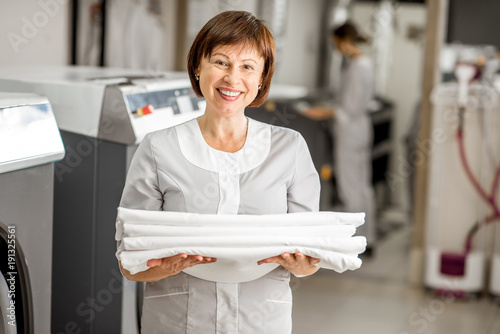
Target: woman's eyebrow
[(219, 54), (250, 59), (227, 57)]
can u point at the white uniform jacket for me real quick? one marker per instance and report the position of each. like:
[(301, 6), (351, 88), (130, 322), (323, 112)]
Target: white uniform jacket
[(176, 170)]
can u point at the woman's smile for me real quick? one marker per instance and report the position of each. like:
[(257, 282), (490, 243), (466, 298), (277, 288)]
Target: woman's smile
[(229, 94)]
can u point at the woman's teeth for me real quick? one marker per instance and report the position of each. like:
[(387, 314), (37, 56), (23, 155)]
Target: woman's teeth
[(228, 93)]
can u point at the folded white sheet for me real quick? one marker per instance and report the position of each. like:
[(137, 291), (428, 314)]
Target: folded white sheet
[(238, 241)]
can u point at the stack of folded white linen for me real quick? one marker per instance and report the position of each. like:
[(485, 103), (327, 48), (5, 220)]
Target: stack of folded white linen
[(238, 241)]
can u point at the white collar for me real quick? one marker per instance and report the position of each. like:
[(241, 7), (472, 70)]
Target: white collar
[(196, 150)]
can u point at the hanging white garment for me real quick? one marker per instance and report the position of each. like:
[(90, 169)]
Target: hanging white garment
[(238, 241)]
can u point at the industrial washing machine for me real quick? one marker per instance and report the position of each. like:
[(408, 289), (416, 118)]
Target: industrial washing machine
[(103, 114), (29, 144)]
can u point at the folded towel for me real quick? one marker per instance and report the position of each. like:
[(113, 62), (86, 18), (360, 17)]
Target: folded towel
[(238, 241)]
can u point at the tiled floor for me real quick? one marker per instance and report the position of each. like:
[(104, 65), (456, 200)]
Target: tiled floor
[(377, 299)]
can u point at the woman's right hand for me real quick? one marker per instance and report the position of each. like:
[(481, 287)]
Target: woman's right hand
[(175, 264), (167, 266)]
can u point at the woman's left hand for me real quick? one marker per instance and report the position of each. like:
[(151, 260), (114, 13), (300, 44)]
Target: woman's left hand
[(296, 263)]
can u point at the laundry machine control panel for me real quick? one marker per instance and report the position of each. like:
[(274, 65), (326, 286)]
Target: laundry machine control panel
[(132, 110)]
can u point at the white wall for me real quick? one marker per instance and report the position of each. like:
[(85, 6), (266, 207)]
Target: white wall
[(405, 85), (299, 59), (34, 32)]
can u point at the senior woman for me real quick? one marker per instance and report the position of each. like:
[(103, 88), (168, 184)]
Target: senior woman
[(223, 163)]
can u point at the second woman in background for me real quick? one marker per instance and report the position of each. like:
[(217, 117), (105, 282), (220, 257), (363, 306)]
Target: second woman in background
[(353, 134)]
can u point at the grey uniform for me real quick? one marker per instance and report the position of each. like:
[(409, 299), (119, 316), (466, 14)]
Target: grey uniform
[(176, 170)]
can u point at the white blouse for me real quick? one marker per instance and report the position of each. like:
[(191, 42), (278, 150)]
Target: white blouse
[(176, 170)]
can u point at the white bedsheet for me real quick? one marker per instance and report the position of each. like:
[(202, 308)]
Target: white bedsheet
[(238, 241)]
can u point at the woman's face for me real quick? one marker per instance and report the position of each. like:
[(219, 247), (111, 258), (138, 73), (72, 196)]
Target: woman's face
[(344, 45), (229, 78), (339, 44)]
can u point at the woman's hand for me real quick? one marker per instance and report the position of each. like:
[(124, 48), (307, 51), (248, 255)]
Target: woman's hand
[(175, 264), (296, 263), (168, 266), (319, 113)]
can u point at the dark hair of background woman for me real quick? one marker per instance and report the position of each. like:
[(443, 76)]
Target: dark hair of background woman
[(349, 31)]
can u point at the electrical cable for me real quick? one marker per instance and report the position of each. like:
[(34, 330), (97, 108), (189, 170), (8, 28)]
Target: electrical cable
[(490, 198)]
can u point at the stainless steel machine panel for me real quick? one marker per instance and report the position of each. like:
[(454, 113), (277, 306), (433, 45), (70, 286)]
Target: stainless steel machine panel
[(28, 132)]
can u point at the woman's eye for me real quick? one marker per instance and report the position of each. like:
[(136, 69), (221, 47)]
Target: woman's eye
[(247, 67)]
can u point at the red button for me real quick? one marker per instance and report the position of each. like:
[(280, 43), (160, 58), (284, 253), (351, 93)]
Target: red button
[(144, 110)]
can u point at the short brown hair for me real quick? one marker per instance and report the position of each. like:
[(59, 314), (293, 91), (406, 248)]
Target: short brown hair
[(233, 28), (349, 31)]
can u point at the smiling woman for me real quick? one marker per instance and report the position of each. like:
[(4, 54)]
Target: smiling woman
[(223, 163), (229, 79), (244, 32)]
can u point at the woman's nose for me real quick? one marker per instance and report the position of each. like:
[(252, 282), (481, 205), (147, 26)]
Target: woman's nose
[(232, 76)]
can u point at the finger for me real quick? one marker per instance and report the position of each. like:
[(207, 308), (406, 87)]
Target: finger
[(154, 263), (207, 262), (177, 261), (179, 257), (307, 259), (274, 259), (193, 259), (300, 257), (198, 258), (262, 261), (287, 258)]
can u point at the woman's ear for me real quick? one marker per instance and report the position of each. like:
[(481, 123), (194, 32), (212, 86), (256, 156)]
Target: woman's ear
[(197, 70)]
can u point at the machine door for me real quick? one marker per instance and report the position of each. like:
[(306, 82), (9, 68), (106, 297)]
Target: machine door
[(15, 287)]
